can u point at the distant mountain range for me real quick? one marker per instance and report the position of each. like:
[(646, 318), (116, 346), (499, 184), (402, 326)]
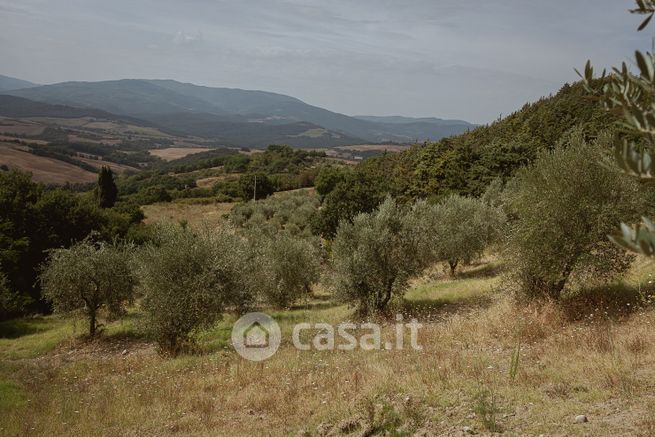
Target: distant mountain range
[(233, 117)]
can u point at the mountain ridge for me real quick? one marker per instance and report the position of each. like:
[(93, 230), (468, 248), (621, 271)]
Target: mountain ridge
[(155, 99), (8, 83)]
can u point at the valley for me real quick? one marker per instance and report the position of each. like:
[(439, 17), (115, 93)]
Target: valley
[(327, 219)]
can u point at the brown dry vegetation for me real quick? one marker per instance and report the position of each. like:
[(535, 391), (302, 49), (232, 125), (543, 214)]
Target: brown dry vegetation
[(601, 367), (43, 169), (172, 153), (209, 182), (20, 127), (193, 214)]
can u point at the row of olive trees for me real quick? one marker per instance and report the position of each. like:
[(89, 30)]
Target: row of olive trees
[(184, 280), (554, 216), (375, 255)]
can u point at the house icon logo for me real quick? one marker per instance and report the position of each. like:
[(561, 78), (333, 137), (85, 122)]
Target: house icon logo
[(256, 336)]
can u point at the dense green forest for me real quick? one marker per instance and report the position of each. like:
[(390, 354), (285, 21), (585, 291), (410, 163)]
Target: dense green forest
[(466, 164)]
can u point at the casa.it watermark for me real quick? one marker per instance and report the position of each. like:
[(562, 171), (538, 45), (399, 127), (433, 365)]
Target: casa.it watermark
[(257, 336)]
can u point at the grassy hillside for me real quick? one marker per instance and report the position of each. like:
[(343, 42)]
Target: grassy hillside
[(463, 377)]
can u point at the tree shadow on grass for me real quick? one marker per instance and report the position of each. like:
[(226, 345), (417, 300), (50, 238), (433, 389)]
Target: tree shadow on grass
[(315, 305), (12, 329), (611, 302), (481, 271), (439, 308)]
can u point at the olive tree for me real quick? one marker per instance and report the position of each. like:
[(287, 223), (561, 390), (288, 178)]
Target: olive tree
[(189, 278), (89, 276), (630, 95), (563, 207), (375, 255), (458, 229), (287, 266)]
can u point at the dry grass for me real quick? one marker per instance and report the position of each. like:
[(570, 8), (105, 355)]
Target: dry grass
[(194, 215), (43, 169), (20, 127), (209, 182), (463, 376), (173, 153)]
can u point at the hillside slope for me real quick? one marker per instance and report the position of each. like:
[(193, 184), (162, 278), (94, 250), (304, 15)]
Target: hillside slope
[(469, 162), (11, 83), (18, 107)]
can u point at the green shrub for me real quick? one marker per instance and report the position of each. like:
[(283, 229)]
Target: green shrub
[(152, 194), (192, 193), (34, 219), (228, 188), (258, 185), (356, 194), (10, 303), (329, 177)]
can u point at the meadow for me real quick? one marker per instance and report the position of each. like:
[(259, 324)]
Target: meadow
[(487, 365)]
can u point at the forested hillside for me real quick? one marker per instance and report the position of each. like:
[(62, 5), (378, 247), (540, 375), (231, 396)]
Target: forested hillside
[(467, 163)]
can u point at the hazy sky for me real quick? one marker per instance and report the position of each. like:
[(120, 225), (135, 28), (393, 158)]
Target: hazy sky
[(446, 58)]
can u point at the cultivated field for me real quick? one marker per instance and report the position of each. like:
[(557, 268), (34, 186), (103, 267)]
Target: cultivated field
[(486, 365), (20, 127), (43, 169)]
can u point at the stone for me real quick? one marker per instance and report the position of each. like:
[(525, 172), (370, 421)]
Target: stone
[(581, 419)]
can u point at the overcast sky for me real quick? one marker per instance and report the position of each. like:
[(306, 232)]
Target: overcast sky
[(463, 59)]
